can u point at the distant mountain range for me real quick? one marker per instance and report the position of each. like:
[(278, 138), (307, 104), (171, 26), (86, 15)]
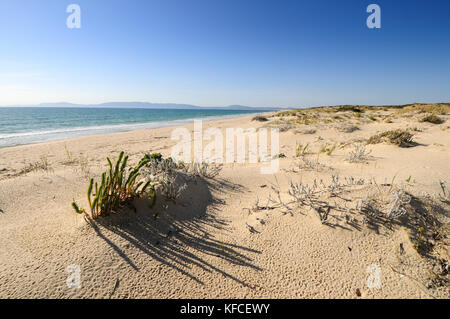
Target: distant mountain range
[(147, 105)]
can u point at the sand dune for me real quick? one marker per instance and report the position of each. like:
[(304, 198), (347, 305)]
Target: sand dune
[(217, 241)]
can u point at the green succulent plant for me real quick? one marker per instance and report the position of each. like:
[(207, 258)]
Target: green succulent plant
[(117, 187)]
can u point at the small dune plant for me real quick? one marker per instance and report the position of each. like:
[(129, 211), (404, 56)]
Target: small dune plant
[(154, 156), (307, 131), (347, 128), (260, 118), (301, 150), (402, 138), (118, 187), (438, 108), (445, 197), (358, 154), (280, 155), (352, 108), (42, 164), (432, 118), (331, 149), (327, 149)]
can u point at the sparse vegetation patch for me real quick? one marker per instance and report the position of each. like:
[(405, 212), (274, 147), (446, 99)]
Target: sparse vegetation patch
[(402, 138), (347, 128), (434, 119), (358, 154), (260, 118), (118, 187), (43, 164)]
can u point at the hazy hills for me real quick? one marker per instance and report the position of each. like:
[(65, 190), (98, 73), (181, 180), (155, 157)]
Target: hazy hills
[(148, 105)]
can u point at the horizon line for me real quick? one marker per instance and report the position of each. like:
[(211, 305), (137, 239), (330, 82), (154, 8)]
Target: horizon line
[(55, 104)]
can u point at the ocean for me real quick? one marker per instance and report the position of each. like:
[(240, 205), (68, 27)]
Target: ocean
[(27, 125)]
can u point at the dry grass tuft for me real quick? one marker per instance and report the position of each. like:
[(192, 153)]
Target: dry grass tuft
[(432, 118), (307, 131), (439, 108), (358, 154), (301, 150), (402, 138), (347, 128), (352, 108), (43, 164), (260, 118)]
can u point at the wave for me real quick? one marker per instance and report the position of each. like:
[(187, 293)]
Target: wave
[(20, 138)]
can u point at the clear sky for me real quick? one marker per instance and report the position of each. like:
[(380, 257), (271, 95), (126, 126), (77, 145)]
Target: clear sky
[(211, 52)]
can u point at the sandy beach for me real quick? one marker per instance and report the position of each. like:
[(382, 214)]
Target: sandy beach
[(241, 234)]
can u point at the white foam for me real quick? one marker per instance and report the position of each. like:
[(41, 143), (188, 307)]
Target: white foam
[(13, 139)]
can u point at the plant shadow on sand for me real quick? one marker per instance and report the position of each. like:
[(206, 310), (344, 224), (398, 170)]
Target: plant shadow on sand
[(180, 234)]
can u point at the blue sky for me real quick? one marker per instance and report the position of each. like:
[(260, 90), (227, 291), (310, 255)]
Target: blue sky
[(210, 52)]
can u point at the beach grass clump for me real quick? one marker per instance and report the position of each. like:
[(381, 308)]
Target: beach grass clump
[(43, 164), (438, 108), (331, 149), (399, 137), (171, 189), (358, 154), (307, 131), (83, 163), (287, 113), (170, 179), (347, 128), (202, 170), (307, 119), (301, 150), (351, 108), (397, 208), (70, 158), (158, 165), (282, 125), (260, 118), (118, 187), (166, 175), (432, 118), (327, 149), (310, 164)]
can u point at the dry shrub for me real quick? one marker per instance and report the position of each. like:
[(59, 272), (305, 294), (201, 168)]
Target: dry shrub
[(358, 154), (307, 131), (432, 118), (439, 108), (347, 128), (260, 118), (287, 113), (281, 124), (43, 164), (352, 108), (402, 138)]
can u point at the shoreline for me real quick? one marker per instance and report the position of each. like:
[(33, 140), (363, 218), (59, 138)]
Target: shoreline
[(133, 127)]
